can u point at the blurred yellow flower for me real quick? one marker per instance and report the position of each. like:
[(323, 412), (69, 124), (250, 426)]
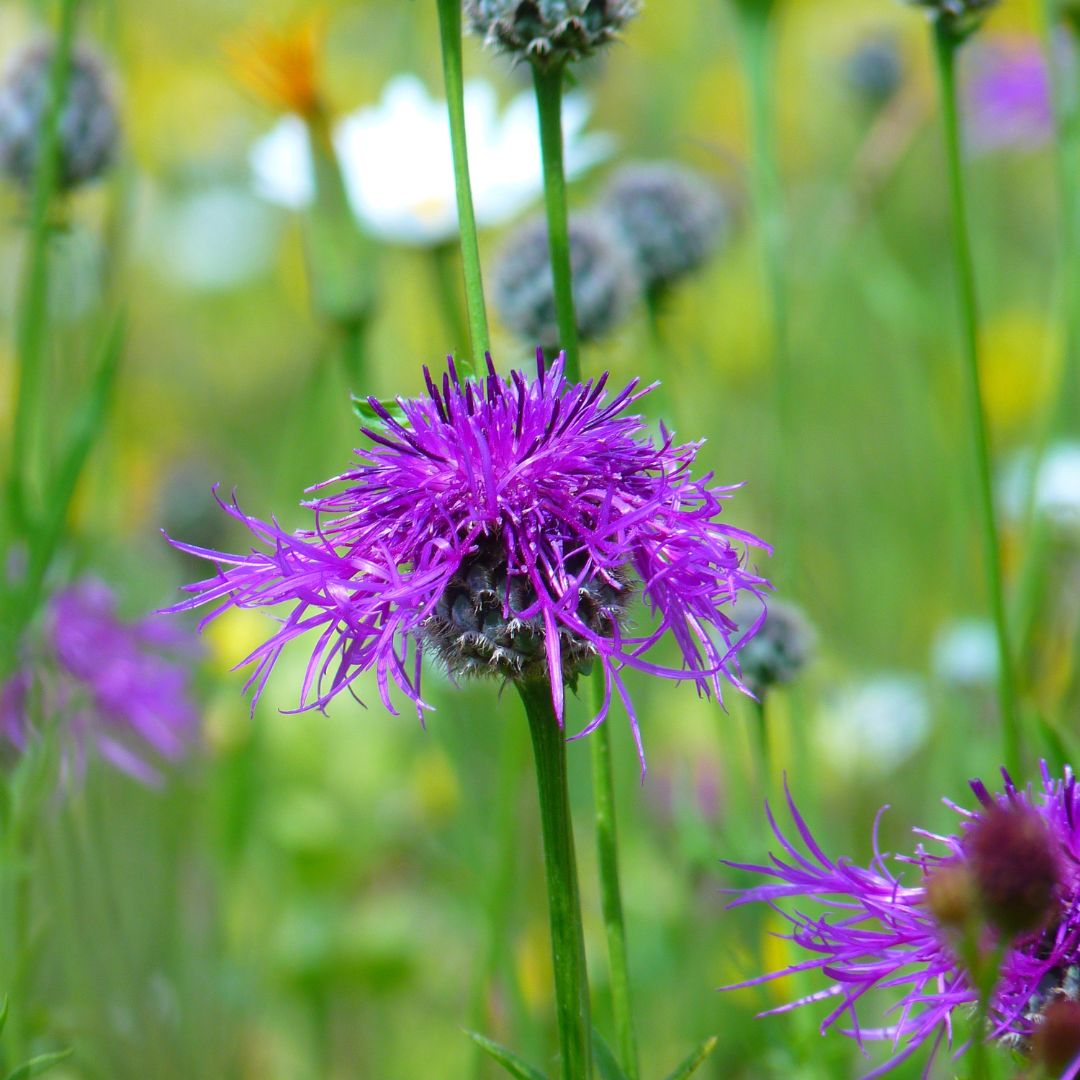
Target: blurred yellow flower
[(434, 787), (235, 634), (281, 67), (532, 963), (1020, 358)]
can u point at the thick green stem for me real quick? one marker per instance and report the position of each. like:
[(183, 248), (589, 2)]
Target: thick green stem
[(450, 35), (32, 316), (947, 42), (564, 899), (548, 82), (755, 25), (607, 846)]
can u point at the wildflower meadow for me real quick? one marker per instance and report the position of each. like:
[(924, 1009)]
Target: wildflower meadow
[(539, 539)]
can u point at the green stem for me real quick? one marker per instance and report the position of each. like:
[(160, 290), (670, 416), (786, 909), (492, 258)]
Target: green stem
[(32, 316), (607, 846), (498, 902), (564, 899), (764, 743), (453, 66), (548, 82), (446, 288), (757, 45), (947, 43)]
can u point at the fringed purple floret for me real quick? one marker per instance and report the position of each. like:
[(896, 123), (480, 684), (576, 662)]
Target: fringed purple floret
[(559, 480), (121, 689), (877, 934)]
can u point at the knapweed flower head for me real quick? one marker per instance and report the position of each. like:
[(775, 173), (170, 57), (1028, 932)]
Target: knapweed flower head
[(549, 33), (605, 280), (397, 162), (875, 934), (783, 645), (89, 128), (672, 218), (119, 689), (1007, 98), (501, 525)]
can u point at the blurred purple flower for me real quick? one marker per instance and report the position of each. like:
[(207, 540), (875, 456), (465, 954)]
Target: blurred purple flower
[(881, 935), (120, 689), (503, 525), (1007, 96)]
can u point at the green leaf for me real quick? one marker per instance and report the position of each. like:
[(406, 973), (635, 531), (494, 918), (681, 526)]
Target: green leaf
[(690, 1065), (3, 1014), (37, 1065), (606, 1062), (509, 1061), (1056, 751), (366, 411)]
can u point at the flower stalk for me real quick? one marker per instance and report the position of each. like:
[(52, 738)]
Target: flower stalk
[(32, 315), (607, 846), (755, 27), (564, 899), (947, 41), (450, 37), (548, 83)]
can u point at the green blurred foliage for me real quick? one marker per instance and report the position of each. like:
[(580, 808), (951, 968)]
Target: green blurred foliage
[(312, 897)]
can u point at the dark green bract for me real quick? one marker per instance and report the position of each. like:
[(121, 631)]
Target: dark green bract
[(549, 33)]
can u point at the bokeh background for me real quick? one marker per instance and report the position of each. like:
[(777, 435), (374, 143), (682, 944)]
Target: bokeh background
[(314, 896)]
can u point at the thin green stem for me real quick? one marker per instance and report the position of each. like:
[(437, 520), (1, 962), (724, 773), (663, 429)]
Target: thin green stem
[(607, 846), (453, 75), (947, 42), (548, 82), (755, 25), (446, 288), (764, 743), (32, 315), (564, 899)]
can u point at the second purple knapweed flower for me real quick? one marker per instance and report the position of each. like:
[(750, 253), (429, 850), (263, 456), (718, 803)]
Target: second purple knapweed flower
[(120, 689), (1013, 867), (504, 526)]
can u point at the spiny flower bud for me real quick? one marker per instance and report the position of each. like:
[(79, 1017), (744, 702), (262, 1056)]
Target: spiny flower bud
[(672, 218), (89, 131), (781, 648), (488, 623), (549, 33), (874, 70), (1015, 866), (961, 15), (605, 280), (1056, 1042), (951, 896)]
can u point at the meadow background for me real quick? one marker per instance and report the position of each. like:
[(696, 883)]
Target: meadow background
[(313, 896)]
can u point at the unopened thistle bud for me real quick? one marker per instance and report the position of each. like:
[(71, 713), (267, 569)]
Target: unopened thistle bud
[(961, 16), (781, 648), (672, 218), (549, 33), (874, 70), (1015, 866), (951, 896), (605, 280), (1056, 1043), (89, 131)]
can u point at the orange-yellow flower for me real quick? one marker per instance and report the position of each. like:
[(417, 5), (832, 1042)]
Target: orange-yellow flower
[(281, 67)]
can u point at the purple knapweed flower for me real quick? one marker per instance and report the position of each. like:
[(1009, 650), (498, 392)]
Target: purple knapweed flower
[(118, 688), (502, 525), (1007, 98), (882, 937)]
